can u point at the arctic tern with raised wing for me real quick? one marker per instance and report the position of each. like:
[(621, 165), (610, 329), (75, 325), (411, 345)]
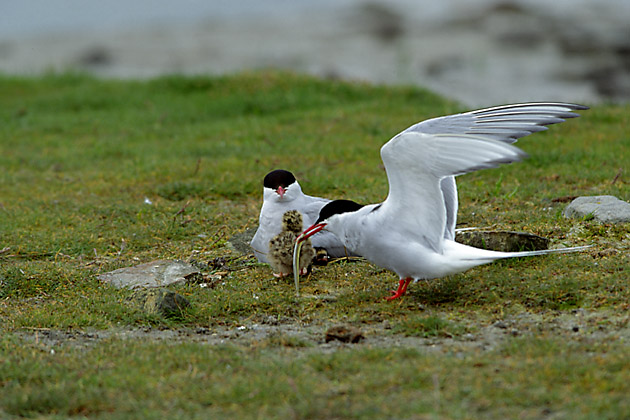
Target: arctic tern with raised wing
[(412, 232)]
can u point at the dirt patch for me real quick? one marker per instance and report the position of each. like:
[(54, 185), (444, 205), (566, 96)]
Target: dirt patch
[(577, 325)]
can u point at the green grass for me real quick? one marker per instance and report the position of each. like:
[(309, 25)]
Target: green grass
[(82, 159), (125, 380)]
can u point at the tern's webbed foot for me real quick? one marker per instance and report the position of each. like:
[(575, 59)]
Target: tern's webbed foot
[(402, 289)]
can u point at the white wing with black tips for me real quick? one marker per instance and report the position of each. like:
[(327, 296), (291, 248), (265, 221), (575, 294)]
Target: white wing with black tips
[(411, 232), (417, 162), (505, 123)]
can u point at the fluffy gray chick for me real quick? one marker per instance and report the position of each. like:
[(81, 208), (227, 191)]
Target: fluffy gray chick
[(281, 246)]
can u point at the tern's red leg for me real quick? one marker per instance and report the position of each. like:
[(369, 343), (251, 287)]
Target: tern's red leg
[(402, 288)]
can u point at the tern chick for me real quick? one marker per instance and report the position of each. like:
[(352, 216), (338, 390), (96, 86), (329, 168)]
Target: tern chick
[(281, 246)]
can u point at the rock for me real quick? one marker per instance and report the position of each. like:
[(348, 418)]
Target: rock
[(603, 208), (95, 56), (344, 334), (161, 302), (240, 241), (380, 21), (608, 252), (500, 324), (157, 273), (502, 240)]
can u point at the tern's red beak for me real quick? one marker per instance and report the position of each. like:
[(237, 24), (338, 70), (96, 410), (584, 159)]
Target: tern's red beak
[(281, 190), (311, 231)]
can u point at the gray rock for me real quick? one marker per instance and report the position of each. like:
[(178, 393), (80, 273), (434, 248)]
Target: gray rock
[(240, 241), (157, 273), (500, 324), (603, 208), (161, 302), (345, 334), (504, 241)]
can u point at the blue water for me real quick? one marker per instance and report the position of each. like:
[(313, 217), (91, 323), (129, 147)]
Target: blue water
[(26, 18), (38, 17)]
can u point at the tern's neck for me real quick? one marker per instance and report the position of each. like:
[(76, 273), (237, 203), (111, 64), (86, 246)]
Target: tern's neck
[(350, 227)]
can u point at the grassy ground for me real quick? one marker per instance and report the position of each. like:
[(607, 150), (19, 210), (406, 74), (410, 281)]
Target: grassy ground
[(99, 175)]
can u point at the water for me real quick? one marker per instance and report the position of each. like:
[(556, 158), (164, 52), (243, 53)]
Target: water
[(480, 52), (43, 17), (29, 18)]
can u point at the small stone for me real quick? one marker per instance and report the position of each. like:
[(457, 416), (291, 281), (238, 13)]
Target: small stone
[(345, 334), (161, 302), (608, 252), (96, 56), (240, 241), (157, 273), (500, 324), (504, 241), (603, 208)]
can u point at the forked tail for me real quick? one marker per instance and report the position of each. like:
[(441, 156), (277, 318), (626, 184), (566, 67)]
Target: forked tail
[(489, 255), (545, 251)]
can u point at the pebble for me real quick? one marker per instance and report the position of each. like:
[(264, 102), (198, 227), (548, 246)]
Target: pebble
[(159, 301), (157, 273), (345, 334), (500, 324), (603, 208)]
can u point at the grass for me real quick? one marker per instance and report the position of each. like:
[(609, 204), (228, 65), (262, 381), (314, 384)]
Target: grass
[(101, 174), (530, 378)]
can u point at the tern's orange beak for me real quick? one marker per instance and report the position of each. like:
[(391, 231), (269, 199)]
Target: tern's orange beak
[(281, 190), (311, 231)]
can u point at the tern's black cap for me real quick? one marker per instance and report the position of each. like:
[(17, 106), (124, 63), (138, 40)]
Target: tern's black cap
[(337, 207), (277, 178)]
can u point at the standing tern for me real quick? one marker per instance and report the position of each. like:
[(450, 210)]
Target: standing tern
[(412, 231), (281, 193)]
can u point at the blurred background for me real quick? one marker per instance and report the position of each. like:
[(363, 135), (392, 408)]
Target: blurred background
[(479, 52)]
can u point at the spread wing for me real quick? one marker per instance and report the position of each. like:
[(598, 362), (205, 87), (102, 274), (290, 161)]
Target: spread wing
[(505, 123), (416, 163)]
